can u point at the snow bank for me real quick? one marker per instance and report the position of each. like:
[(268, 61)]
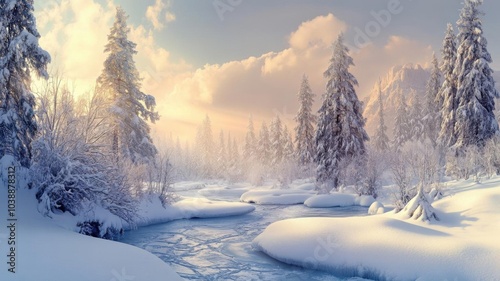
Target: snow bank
[(151, 211), (338, 200), (376, 208), (187, 185), (463, 245), (48, 252), (204, 208), (276, 196), (226, 192)]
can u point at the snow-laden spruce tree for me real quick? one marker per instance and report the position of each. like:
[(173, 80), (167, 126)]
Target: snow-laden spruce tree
[(249, 150), (205, 148), (221, 156), (288, 149), (19, 56), (401, 124), (381, 140), (304, 129), (415, 121), (276, 135), (130, 107), (446, 99), (476, 93), (431, 116), (233, 156), (264, 145), (340, 135)]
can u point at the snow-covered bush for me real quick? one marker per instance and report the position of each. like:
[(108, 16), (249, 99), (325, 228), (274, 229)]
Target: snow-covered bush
[(402, 178), (71, 168), (419, 208), (491, 157), (159, 179)]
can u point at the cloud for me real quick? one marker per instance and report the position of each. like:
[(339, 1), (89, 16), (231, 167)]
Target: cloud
[(72, 31), (154, 14), (321, 31)]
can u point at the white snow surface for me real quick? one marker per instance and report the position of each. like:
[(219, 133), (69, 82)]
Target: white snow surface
[(376, 208), (151, 211), (463, 245), (270, 196), (46, 251), (50, 249), (336, 199)]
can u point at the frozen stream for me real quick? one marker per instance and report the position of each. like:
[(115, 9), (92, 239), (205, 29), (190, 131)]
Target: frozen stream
[(221, 248)]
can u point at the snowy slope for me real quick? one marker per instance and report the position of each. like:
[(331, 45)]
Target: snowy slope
[(463, 245), (49, 252)]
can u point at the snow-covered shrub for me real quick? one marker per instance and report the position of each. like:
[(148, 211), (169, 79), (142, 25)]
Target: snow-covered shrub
[(491, 157), (71, 168), (419, 208), (159, 179), (376, 164), (95, 228), (424, 162), (402, 178)]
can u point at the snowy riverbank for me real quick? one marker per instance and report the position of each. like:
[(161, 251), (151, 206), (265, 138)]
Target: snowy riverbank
[(463, 245), (49, 249)]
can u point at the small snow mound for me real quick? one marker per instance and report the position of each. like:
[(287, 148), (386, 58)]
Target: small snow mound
[(338, 200), (376, 208), (419, 208), (276, 196), (365, 200)]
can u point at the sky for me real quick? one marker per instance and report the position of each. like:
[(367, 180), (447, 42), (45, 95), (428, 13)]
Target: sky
[(231, 59)]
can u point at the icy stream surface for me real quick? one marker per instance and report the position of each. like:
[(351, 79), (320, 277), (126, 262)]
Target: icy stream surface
[(221, 248)]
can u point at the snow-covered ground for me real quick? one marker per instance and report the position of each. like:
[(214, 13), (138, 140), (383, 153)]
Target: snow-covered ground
[(35, 247), (338, 200), (45, 251), (296, 193), (462, 245), (152, 212)]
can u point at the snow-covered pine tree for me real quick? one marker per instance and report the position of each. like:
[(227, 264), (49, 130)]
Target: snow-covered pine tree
[(304, 129), (415, 121), (288, 150), (130, 108), (446, 100), (476, 92), (234, 160), (20, 54), (206, 148), (401, 127), (249, 151), (221, 156), (381, 140), (431, 116), (264, 145), (340, 135), (276, 142)]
